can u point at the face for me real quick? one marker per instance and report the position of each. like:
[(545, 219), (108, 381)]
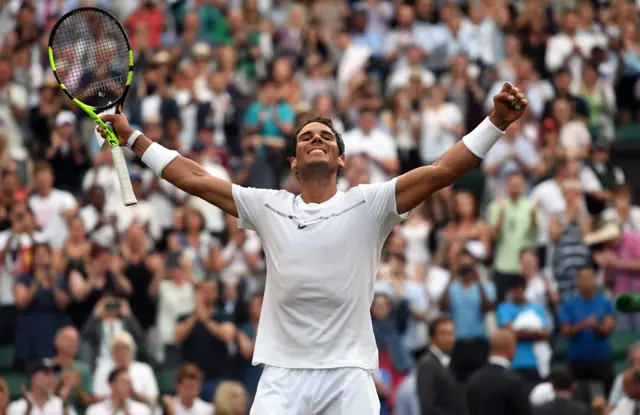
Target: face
[(316, 144), (323, 104), (96, 197), (600, 156), (622, 201), (239, 400), (635, 358), (517, 294), (465, 205), (122, 354), (44, 380), (44, 179), (121, 386), (445, 336), (466, 267), (381, 307), (589, 75), (67, 341), (42, 256), (587, 280), (76, 229), (208, 291), (529, 262), (193, 221), (189, 389), (570, 21), (5, 71), (515, 185)]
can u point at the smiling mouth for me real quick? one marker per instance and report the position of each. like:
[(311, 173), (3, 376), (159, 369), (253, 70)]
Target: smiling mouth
[(317, 151)]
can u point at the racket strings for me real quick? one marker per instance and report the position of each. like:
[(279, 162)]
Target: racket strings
[(91, 54)]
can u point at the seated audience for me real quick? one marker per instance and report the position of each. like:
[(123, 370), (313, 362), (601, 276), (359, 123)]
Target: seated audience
[(67, 341), (231, 399), (246, 342), (562, 402), (186, 401), (120, 399)]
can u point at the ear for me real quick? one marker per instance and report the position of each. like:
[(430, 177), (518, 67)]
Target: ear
[(293, 162), (341, 162)]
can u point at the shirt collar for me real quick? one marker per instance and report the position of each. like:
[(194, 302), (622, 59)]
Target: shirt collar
[(500, 361), (442, 356)]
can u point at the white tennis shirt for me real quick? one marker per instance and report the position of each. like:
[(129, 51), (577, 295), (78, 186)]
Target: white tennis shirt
[(321, 266)]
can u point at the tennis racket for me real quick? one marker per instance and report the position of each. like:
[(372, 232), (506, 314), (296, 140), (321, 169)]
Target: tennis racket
[(92, 60)]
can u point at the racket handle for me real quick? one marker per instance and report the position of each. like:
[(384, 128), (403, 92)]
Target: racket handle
[(120, 164)]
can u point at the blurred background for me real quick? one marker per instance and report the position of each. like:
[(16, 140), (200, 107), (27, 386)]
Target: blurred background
[(537, 239)]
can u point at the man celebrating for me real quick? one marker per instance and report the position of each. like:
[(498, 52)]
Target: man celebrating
[(322, 249)]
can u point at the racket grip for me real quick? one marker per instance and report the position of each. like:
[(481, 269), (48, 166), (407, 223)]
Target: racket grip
[(120, 164)]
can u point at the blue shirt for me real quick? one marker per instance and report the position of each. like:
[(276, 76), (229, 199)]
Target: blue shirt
[(587, 344), (465, 305), (284, 113), (506, 313)]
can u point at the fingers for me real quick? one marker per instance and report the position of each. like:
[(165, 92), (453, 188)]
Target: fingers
[(108, 117), (507, 87)]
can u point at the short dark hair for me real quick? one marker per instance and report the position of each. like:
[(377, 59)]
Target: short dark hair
[(115, 373), (322, 120), (437, 322), (189, 372), (590, 266), (561, 378), (518, 282)]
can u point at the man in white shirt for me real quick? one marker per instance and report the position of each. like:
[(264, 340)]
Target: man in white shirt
[(120, 402), (315, 335), (377, 145), (41, 400), (187, 402)]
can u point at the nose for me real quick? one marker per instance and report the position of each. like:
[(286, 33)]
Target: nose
[(316, 138)]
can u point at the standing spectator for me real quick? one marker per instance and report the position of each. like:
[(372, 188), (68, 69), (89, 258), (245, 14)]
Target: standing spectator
[(52, 207), (246, 342), (540, 290), (442, 125), (532, 329), (376, 144), (468, 299), (144, 387), (194, 242), (568, 230), (40, 399), (620, 260), (588, 319), (562, 402), (207, 337), (97, 224), (493, 389), (513, 223), (187, 402), (41, 296), (120, 398), (436, 386), (13, 105), (599, 177)]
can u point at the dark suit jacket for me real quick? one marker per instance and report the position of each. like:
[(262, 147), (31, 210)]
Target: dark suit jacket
[(438, 391), (562, 406), (494, 390)]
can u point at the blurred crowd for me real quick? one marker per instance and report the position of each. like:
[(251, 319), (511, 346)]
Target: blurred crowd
[(155, 307)]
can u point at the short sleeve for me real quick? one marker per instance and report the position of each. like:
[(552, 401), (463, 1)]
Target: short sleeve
[(489, 290), (381, 202), (251, 117), (19, 96), (609, 309), (250, 202), (69, 201), (502, 315), (286, 114), (566, 316)]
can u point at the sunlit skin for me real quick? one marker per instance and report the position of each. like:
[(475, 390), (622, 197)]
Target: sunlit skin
[(317, 144)]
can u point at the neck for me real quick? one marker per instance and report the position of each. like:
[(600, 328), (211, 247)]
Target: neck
[(563, 394), (317, 187), (44, 192), (588, 294), (117, 401), (40, 397), (187, 402), (514, 198), (64, 359)]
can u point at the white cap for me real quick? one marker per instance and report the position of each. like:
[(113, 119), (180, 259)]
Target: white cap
[(65, 117)]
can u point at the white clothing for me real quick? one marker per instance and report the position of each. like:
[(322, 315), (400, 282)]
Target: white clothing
[(47, 211), (574, 135), (238, 267), (530, 320), (199, 407), (542, 394), (500, 361), (106, 408), (213, 216), (54, 406), (12, 96), (378, 145), (626, 406), (143, 213), (343, 391), (433, 141), (551, 202), (444, 358), (163, 205), (630, 225), (104, 235), (321, 265), (143, 380), (417, 235), (590, 182), (106, 177), (173, 301), (400, 78), (15, 261)]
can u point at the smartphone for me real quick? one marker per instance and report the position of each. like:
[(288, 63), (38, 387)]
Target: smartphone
[(112, 306)]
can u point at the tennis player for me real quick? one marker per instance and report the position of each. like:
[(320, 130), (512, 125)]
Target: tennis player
[(322, 248)]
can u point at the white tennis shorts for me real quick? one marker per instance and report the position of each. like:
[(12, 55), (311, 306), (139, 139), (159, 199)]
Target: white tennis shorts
[(342, 391)]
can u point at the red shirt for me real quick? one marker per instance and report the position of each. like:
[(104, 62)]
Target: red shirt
[(153, 19), (385, 364)]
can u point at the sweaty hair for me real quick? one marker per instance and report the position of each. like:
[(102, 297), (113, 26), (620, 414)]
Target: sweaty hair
[(322, 120)]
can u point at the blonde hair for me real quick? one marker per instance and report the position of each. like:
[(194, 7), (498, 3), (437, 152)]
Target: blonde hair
[(224, 396)]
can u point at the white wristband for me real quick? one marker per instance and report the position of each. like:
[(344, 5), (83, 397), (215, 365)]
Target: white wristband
[(156, 157), (482, 138), (133, 137)]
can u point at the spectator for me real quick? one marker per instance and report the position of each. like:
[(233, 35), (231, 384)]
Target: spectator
[(617, 391), (532, 329), (246, 342), (631, 385), (495, 390), (390, 314), (176, 297), (41, 296), (40, 399), (140, 376), (436, 386), (13, 106), (467, 226), (623, 211), (97, 224), (207, 337), (231, 399), (403, 122), (620, 261), (120, 397), (468, 299), (66, 153), (416, 231), (376, 144), (111, 316), (70, 370), (588, 319), (600, 99), (513, 224), (562, 403), (195, 243), (4, 396), (239, 255), (540, 290), (187, 402), (568, 230), (599, 177), (442, 125)]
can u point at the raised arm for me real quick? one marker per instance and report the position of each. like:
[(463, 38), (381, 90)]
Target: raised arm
[(182, 172), (415, 186)]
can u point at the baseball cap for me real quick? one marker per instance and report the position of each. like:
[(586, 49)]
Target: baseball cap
[(41, 365), (65, 117)]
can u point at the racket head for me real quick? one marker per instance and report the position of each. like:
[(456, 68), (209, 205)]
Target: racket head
[(91, 58)]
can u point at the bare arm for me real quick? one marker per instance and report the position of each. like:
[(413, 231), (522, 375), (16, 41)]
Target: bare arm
[(185, 174), (415, 186)]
